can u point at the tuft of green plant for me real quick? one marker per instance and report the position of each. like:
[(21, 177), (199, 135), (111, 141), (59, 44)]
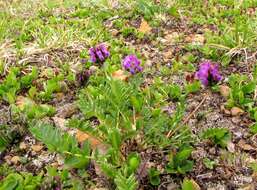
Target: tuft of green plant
[(10, 86), (154, 176), (179, 162), (125, 183), (13, 83), (242, 89), (209, 163), (219, 136), (31, 110), (50, 87), (189, 184), (63, 143), (7, 136), (253, 128), (23, 180)]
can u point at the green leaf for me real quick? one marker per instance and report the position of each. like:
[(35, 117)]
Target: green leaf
[(154, 176), (249, 88), (189, 185), (253, 128), (63, 143)]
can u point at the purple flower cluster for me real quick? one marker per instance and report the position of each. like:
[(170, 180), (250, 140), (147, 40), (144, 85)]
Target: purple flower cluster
[(98, 53), (208, 73), (132, 64)]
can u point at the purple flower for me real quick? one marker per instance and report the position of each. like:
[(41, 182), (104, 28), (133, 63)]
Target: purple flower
[(98, 53), (208, 73), (132, 64)]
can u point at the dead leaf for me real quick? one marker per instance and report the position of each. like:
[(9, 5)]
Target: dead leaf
[(22, 101), (94, 142), (120, 75), (242, 144), (144, 27), (231, 147)]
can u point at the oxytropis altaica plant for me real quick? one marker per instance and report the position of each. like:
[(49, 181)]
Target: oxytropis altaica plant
[(132, 64), (98, 53), (208, 73)]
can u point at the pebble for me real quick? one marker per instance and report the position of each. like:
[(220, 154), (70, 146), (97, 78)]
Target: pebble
[(22, 146), (37, 148), (172, 186), (224, 91), (236, 111), (15, 160)]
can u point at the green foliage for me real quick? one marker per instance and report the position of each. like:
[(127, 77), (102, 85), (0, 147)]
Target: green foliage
[(51, 86), (125, 183), (26, 181), (10, 86), (13, 83), (219, 136), (253, 166), (192, 87), (62, 143), (154, 176), (241, 91), (253, 128), (133, 162), (179, 162), (189, 185), (209, 163), (26, 81), (7, 135)]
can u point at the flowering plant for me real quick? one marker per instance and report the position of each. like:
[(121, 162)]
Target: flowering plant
[(208, 73), (98, 53), (132, 64)]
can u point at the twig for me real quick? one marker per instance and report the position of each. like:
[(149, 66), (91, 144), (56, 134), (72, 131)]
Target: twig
[(193, 112), (170, 133)]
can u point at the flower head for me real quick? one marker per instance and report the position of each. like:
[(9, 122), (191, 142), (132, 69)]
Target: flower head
[(132, 64), (208, 73), (98, 53)]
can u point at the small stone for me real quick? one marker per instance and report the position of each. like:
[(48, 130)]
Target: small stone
[(235, 120), (55, 164), (218, 187), (15, 159), (22, 146), (66, 111), (172, 186), (242, 144), (231, 147), (212, 150), (37, 148), (224, 91), (236, 111), (93, 69)]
